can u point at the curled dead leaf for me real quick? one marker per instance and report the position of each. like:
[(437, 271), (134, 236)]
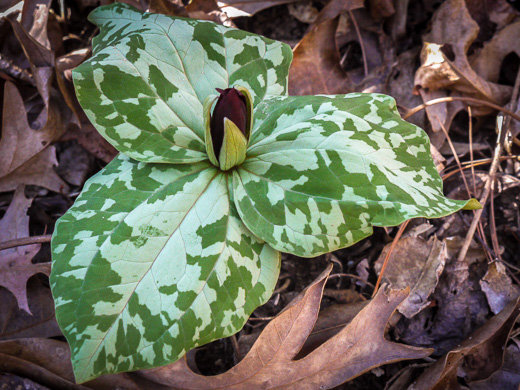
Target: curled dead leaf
[(415, 263), (476, 358), (47, 362), (444, 60), (498, 287), (489, 60)]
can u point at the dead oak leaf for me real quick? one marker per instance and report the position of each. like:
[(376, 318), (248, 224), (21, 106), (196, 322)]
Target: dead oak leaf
[(316, 65), (39, 170), (271, 363), (15, 263), (19, 141)]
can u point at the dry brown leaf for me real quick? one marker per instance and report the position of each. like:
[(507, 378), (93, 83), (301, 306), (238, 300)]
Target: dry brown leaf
[(47, 362), (315, 68), (331, 321), (6, 4), (35, 18), (498, 287), (64, 66), (24, 148), (371, 71), (508, 377), (476, 358), (39, 170), (415, 263), (16, 323), (444, 56), (400, 84), (271, 362), (381, 9), (460, 305), (81, 130), (304, 11), (337, 7), (440, 115), (15, 263), (491, 15), (19, 143), (489, 61)]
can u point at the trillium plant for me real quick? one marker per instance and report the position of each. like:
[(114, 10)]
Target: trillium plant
[(176, 241)]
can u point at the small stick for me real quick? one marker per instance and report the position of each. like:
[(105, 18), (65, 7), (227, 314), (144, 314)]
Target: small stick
[(471, 152), (365, 65), (392, 247), (25, 241), (415, 110), (468, 165)]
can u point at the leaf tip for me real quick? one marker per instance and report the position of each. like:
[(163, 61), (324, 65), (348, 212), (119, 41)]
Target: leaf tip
[(472, 204)]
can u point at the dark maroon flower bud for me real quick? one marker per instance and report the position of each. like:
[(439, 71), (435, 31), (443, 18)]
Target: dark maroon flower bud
[(231, 104)]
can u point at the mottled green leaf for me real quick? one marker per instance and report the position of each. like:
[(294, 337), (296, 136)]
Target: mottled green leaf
[(152, 260), (322, 170), (144, 87)]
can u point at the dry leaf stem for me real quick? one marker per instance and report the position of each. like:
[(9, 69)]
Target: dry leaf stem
[(392, 247), (420, 107), (25, 241)]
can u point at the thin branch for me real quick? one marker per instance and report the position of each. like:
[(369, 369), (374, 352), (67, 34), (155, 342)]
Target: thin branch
[(415, 110), (363, 53), (25, 241), (387, 257)]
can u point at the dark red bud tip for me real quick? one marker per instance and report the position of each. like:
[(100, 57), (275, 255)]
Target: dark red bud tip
[(232, 105)]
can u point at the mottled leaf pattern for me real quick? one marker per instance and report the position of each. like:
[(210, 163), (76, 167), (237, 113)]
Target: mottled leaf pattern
[(152, 261), (322, 170), (145, 85), (165, 249)]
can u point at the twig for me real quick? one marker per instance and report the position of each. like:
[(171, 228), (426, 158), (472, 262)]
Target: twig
[(392, 247), (236, 349), (493, 226), (25, 241), (363, 53), (470, 124), (353, 277), (502, 131), (283, 287), (415, 110), (469, 165)]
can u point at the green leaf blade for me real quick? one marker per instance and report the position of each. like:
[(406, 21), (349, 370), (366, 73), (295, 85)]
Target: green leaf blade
[(333, 167), (145, 85), (165, 265)]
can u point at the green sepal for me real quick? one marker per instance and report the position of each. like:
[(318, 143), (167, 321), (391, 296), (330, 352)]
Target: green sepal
[(249, 104), (208, 140), (234, 145)]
